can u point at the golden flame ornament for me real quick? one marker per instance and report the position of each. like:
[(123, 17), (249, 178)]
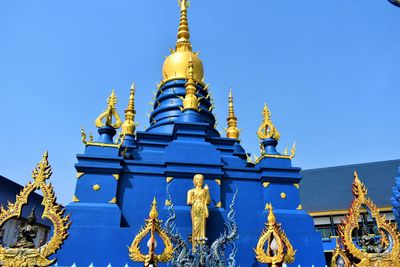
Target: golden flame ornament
[(278, 250), (388, 245), (30, 257), (267, 129), (152, 227), (109, 113)]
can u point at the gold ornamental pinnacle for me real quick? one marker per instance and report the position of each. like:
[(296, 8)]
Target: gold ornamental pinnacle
[(267, 129), (129, 125), (232, 131), (190, 101), (176, 65), (109, 113)]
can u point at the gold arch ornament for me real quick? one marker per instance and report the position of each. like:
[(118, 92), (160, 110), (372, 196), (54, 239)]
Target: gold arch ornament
[(273, 233), (390, 241), (30, 257), (152, 227)]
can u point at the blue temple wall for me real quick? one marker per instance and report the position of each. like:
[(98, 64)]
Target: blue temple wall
[(101, 231)]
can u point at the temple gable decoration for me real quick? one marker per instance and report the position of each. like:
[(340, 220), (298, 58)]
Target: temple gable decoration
[(278, 248), (367, 250), (24, 254)]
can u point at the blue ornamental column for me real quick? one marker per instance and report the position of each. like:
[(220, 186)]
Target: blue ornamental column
[(98, 170), (396, 199)]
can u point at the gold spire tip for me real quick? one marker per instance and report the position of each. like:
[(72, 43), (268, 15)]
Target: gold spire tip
[(128, 126), (153, 212), (232, 131)]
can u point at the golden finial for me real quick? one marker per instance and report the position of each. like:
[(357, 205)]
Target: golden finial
[(273, 246), (267, 129), (176, 64), (153, 212), (232, 131), (359, 188), (190, 101), (110, 112), (42, 171), (183, 42), (128, 127)]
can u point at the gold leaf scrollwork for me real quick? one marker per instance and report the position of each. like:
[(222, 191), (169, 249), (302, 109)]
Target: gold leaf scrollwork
[(30, 257), (152, 227), (278, 247), (389, 244)]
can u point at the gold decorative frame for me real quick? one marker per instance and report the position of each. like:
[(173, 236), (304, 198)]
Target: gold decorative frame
[(285, 252), (389, 258), (12, 257), (152, 226)]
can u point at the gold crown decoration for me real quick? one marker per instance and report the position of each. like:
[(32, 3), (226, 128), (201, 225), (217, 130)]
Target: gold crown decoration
[(176, 65), (232, 131), (278, 248), (267, 129), (32, 257), (384, 252), (109, 113), (129, 125), (152, 227)]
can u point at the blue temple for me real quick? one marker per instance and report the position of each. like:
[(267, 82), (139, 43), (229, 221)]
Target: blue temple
[(117, 183)]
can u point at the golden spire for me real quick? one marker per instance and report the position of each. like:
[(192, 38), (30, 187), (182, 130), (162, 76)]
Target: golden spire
[(153, 212), (183, 42), (111, 111), (267, 129), (176, 65), (190, 101), (232, 131), (128, 127)]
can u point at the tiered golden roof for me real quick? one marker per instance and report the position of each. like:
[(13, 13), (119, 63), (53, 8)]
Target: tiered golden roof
[(176, 65)]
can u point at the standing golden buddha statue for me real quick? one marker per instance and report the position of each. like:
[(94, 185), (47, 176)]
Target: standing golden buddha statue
[(199, 199)]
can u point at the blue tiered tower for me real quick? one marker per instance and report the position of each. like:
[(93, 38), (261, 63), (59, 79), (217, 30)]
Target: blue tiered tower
[(117, 182)]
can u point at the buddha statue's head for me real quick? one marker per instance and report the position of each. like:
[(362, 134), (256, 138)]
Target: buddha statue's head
[(198, 180)]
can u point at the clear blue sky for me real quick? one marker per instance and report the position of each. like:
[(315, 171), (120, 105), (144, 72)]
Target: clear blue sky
[(329, 70)]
